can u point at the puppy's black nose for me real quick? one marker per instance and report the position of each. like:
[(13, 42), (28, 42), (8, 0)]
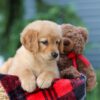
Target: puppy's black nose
[(54, 54)]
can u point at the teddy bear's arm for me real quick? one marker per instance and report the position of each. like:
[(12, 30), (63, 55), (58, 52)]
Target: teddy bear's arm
[(70, 72), (90, 74)]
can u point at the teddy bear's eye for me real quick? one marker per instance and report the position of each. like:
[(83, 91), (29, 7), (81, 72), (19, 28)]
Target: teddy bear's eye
[(66, 43), (69, 36)]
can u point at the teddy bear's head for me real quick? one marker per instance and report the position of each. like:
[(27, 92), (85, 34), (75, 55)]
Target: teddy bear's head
[(74, 37)]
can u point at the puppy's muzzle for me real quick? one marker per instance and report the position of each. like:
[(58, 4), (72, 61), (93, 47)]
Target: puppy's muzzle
[(54, 54)]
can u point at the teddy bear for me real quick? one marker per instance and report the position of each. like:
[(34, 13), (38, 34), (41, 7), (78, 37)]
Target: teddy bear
[(72, 62)]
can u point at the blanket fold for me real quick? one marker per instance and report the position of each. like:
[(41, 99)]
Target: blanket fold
[(61, 89)]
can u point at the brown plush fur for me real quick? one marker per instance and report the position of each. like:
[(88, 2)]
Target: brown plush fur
[(34, 62), (75, 39)]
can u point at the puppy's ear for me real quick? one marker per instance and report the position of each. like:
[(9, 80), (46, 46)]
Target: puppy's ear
[(30, 40), (61, 46), (84, 33)]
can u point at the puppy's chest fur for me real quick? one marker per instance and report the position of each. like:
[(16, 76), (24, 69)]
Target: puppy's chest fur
[(40, 66), (25, 60)]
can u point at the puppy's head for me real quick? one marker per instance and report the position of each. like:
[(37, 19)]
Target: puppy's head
[(43, 38)]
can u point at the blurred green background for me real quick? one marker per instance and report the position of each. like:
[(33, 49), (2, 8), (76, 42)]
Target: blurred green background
[(16, 14)]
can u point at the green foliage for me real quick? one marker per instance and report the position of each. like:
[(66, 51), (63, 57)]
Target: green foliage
[(3, 16), (11, 40), (95, 94), (60, 14)]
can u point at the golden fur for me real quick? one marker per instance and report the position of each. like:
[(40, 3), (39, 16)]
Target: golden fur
[(33, 62)]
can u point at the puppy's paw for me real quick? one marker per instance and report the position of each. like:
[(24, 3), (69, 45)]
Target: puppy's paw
[(45, 80), (28, 84)]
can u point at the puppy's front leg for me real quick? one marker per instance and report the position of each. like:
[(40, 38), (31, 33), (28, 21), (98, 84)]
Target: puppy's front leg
[(28, 81), (45, 79)]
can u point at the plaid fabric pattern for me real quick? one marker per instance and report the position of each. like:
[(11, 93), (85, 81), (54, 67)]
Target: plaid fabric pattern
[(61, 89)]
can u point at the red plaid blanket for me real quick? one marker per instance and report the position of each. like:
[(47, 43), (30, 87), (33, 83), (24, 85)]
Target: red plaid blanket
[(61, 89)]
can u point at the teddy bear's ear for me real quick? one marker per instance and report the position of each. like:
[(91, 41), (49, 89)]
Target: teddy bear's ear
[(84, 33), (66, 28), (66, 25)]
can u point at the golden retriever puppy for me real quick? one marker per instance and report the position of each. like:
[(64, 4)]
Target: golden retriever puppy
[(35, 62)]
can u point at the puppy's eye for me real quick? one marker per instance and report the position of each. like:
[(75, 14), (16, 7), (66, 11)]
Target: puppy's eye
[(44, 42)]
